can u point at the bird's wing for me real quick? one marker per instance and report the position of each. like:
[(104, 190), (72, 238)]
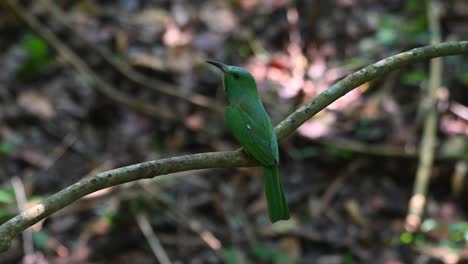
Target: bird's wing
[(254, 132)]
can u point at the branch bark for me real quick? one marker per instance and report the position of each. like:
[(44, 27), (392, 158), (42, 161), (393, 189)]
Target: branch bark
[(236, 158)]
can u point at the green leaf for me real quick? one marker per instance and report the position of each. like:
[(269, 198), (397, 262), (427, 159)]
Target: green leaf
[(429, 224), (387, 36), (406, 238), (37, 56), (347, 258), (7, 148), (6, 197), (244, 51), (35, 46), (40, 239), (309, 152), (387, 33), (458, 231), (355, 62), (412, 5), (414, 77), (229, 256), (5, 216), (264, 253), (464, 76), (234, 256), (416, 26), (267, 253), (156, 145)]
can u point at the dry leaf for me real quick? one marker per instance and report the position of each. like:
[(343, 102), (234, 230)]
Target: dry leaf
[(36, 104)]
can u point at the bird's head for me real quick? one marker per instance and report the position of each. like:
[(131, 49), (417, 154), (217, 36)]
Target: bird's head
[(235, 77)]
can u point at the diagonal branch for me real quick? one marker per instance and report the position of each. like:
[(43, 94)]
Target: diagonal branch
[(227, 159)]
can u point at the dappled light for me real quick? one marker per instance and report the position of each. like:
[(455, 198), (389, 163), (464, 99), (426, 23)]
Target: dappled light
[(98, 99), (34, 211)]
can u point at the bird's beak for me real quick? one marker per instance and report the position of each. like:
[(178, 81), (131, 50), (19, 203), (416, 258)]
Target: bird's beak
[(223, 67)]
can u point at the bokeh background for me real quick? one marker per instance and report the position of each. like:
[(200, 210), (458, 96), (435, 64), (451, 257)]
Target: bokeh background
[(91, 85)]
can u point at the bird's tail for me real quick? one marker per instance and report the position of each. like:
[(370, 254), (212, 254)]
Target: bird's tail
[(277, 205)]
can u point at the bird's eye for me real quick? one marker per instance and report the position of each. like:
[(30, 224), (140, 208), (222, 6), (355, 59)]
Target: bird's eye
[(236, 75)]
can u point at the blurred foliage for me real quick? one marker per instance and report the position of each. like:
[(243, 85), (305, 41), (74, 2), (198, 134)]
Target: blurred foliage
[(6, 148), (319, 151), (267, 253), (407, 28), (414, 77), (37, 54), (8, 145), (388, 30), (270, 51), (394, 31), (234, 256), (7, 200), (453, 236), (464, 75), (41, 239), (6, 197)]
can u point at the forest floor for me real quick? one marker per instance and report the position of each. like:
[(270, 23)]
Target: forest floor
[(87, 86)]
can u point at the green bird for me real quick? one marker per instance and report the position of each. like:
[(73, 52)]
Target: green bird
[(248, 121)]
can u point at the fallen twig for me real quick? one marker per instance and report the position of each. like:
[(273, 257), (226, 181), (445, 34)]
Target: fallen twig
[(180, 217), (153, 241), (335, 186), (22, 201)]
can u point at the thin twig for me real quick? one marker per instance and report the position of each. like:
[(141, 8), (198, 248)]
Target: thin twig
[(182, 218), (22, 202), (153, 241), (207, 236), (335, 186), (429, 138), (227, 159), (60, 150), (383, 150)]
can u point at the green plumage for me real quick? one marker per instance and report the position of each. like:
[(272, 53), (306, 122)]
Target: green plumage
[(248, 121)]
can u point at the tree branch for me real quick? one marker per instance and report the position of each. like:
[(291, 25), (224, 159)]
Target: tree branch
[(236, 158)]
